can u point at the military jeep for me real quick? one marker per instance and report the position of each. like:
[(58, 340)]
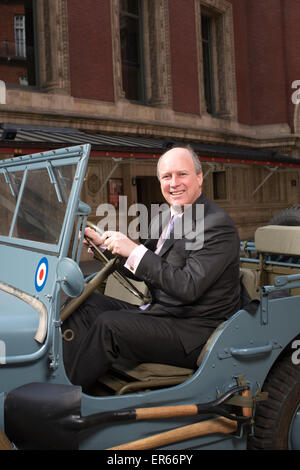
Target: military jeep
[(245, 392)]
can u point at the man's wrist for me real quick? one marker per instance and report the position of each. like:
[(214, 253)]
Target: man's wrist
[(135, 257)]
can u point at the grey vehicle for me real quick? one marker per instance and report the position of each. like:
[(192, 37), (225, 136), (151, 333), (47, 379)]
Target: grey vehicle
[(245, 392)]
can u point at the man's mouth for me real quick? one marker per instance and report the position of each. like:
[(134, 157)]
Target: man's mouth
[(176, 193)]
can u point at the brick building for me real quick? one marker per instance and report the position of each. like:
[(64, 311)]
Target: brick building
[(131, 76)]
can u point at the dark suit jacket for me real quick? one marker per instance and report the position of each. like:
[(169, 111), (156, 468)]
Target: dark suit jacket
[(197, 287)]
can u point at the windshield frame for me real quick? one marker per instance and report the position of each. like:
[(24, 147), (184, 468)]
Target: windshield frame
[(76, 156)]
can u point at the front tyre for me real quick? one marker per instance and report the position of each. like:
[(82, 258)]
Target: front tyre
[(277, 420)]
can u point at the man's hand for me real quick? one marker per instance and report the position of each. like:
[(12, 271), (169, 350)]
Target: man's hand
[(118, 243), (93, 235)]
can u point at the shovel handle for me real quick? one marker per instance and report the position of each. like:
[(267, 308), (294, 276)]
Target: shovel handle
[(166, 412)]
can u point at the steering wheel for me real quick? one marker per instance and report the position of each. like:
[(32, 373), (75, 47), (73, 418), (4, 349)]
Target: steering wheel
[(110, 267)]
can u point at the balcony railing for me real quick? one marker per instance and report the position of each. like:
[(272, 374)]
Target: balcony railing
[(12, 50)]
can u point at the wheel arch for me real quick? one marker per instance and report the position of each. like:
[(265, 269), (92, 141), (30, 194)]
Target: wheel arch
[(287, 350)]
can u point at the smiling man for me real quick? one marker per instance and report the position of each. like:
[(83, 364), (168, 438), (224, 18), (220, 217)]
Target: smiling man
[(194, 287), (180, 175)]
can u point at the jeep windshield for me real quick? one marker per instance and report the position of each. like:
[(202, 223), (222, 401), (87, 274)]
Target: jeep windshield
[(33, 203), (34, 198)]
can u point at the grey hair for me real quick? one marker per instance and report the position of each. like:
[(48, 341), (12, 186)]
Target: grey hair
[(195, 158)]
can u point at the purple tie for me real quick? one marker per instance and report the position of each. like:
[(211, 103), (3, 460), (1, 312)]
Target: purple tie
[(165, 234)]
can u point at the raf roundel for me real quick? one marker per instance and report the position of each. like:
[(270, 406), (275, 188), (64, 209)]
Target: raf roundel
[(41, 274)]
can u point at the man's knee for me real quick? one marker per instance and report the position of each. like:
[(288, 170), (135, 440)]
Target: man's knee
[(114, 331), (111, 321), (94, 301)]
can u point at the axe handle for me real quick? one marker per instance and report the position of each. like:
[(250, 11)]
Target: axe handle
[(203, 428)]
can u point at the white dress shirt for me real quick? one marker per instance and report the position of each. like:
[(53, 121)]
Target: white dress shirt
[(137, 254)]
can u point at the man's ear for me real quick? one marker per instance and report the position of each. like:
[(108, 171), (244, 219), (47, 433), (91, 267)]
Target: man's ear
[(200, 178)]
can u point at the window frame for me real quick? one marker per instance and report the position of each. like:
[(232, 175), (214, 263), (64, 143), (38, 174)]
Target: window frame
[(208, 69), (223, 58), (156, 53), (51, 52), (141, 98), (21, 54), (20, 35)]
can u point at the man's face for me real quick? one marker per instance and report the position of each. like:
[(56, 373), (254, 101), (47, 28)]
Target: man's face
[(179, 182)]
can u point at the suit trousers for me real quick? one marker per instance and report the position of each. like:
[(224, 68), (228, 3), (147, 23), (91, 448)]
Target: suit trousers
[(106, 329)]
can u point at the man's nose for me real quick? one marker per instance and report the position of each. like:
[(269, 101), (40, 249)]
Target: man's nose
[(174, 180)]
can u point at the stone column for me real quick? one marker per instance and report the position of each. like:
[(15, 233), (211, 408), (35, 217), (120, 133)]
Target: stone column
[(53, 50)]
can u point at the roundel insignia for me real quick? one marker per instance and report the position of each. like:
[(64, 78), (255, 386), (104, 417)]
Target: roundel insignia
[(41, 274)]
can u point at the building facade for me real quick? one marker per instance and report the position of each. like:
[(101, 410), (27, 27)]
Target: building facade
[(222, 75)]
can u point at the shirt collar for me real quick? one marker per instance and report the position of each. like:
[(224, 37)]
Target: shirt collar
[(176, 212)]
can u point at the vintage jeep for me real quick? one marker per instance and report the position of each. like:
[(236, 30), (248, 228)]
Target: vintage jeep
[(245, 392)]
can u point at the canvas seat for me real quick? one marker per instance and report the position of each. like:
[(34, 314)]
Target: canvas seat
[(251, 282), (280, 239), (128, 377)]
